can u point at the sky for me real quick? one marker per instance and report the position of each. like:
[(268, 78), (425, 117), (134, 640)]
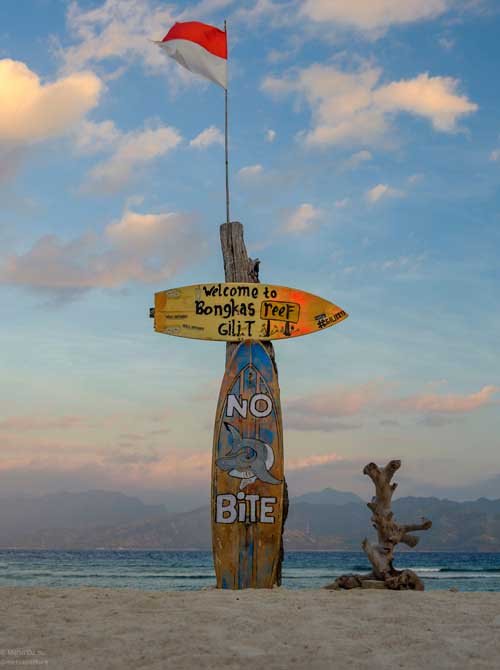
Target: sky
[(365, 167)]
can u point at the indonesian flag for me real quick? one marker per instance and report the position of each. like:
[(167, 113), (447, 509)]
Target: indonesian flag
[(200, 48)]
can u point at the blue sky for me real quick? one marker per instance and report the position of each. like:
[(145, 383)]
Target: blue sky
[(365, 163)]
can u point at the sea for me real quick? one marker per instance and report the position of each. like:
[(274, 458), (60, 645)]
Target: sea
[(193, 570)]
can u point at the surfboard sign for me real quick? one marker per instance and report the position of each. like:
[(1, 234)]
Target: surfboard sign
[(234, 312), (248, 472)]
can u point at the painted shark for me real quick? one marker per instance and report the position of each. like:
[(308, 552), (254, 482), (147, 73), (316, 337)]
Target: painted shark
[(249, 459)]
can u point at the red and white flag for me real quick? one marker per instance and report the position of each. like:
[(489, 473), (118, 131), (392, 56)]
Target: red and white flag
[(200, 48)]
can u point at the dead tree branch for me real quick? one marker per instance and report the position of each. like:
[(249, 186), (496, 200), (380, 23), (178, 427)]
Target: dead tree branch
[(389, 534)]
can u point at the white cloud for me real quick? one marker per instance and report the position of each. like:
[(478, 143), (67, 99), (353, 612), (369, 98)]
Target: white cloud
[(353, 108), (434, 98), (132, 150), (403, 264), (123, 30), (270, 135), (207, 137), (276, 56), (369, 15), (250, 171), (262, 9), (357, 159), (93, 137), (139, 248), (32, 111), (303, 219), (382, 191), (116, 29)]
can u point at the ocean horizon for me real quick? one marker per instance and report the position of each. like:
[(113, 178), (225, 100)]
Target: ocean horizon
[(156, 570)]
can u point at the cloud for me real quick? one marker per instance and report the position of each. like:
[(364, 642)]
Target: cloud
[(369, 15), (93, 137), (303, 219), (138, 248), (382, 191), (313, 461), (328, 409), (132, 150), (449, 404), (21, 424), (353, 108), (357, 159), (270, 135), (117, 29), (32, 111), (434, 98), (130, 456), (250, 171), (207, 137), (321, 424), (273, 12), (177, 470), (401, 264), (122, 30), (336, 403)]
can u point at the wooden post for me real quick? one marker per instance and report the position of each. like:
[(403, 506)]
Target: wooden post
[(238, 267)]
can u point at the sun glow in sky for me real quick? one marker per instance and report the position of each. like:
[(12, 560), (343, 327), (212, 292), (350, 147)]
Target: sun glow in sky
[(365, 166)]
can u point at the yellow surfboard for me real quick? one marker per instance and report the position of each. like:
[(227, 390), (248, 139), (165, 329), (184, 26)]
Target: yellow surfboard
[(233, 312)]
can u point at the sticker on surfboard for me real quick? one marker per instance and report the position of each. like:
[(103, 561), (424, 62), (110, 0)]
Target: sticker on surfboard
[(234, 312), (248, 472)]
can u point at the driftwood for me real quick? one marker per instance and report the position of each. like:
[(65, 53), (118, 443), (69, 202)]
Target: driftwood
[(239, 267), (389, 533)]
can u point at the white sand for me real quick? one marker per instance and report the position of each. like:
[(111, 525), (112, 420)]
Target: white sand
[(100, 629)]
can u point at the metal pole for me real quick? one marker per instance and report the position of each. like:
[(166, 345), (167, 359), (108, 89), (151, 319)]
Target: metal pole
[(226, 141)]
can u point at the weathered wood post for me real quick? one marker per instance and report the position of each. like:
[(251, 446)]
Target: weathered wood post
[(249, 494), (239, 267)]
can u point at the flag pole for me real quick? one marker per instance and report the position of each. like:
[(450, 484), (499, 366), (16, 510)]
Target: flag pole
[(226, 139)]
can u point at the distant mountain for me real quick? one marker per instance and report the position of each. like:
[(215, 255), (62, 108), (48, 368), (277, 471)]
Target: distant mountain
[(83, 524), (467, 526), (22, 516), (328, 496), (486, 488), (189, 530)]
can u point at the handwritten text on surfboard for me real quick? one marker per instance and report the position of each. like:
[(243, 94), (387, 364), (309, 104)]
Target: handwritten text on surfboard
[(233, 312), (242, 311)]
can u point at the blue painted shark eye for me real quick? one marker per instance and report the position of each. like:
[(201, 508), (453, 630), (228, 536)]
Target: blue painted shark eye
[(250, 454)]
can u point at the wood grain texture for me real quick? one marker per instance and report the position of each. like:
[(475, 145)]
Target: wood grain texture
[(238, 266), (248, 473), (390, 533)]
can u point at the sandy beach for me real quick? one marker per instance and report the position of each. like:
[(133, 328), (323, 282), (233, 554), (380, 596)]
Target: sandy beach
[(104, 629)]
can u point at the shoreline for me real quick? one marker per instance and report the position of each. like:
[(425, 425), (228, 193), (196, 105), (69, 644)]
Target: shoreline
[(78, 628), (401, 551)]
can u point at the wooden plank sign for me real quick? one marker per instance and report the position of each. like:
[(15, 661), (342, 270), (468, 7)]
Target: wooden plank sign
[(234, 312), (247, 472)]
